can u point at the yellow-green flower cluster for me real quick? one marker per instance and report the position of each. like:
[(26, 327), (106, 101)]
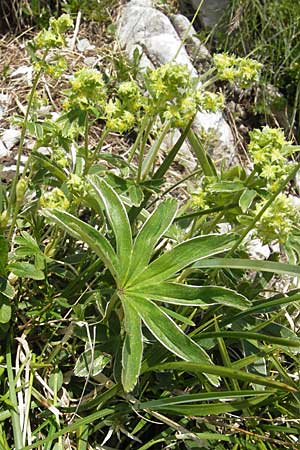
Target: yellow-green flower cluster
[(53, 37), (171, 93), (123, 111), (269, 150), (60, 156), (54, 199), (278, 220), (242, 71), (76, 186), (87, 91), (167, 82), (210, 101)]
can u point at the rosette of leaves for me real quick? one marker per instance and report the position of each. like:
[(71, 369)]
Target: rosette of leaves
[(144, 285)]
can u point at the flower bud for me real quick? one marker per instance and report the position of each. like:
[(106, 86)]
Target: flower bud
[(21, 189)]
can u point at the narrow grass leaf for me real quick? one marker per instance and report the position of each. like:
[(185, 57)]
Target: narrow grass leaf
[(289, 342), (182, 294), (222, 372), (202, 397), (71, 428), (133, 346), (248, 264), (85, 232), (209, 409), (183, 255), (153, 229), (118, 219), (168, 333), (267, 306)]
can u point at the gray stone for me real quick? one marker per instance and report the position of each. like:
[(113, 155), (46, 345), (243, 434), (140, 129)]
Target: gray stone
[(8, 140), (142, 26), (219, 136), (211, 11), (187, 33), (185, 155), (84, 45), (257, 250)]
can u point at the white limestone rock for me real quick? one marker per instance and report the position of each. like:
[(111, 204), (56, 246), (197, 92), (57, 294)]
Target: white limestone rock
[(185, 156), (142, 26), (257, 250), (220, 138), (8, 140), (193, 45)]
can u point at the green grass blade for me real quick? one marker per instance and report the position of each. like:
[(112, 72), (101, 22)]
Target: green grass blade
[(71, 428), (182, 294), (267, 306), (210, 409), (248, 264), (117, 216), (168, 333), (221, 371), (15, 415), (132, 348), (83, 231), (288, 342), (202, 397), (182, 256)]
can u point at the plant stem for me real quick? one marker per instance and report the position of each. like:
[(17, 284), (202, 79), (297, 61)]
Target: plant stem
[(86, 143), (150, 158), (12, 199), (205, 212), (143, 148), (200, 153), (263, 209), (138, 139), (15, 418)]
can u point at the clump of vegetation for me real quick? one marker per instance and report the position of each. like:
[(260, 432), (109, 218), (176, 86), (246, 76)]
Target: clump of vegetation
[(269, 32), (17, 14), (127, 319)]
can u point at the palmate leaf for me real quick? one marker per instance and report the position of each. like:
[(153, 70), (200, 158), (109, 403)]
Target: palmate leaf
[(168, 333), (181, 256), (138, 282), (182, 294), (117, 216)]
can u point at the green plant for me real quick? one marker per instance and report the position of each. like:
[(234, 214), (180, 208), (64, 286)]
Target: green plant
[(268, 31)]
